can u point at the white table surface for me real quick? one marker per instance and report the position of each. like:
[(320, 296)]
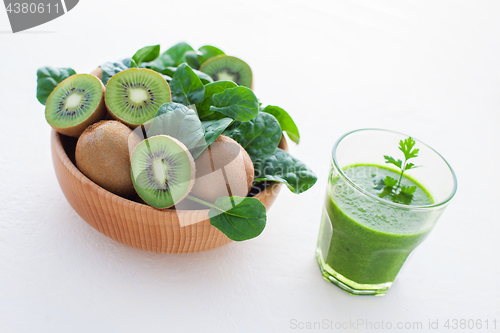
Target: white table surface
[(430, 69)]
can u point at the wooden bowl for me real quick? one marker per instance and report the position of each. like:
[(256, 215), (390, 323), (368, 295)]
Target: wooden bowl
[(133, 223)]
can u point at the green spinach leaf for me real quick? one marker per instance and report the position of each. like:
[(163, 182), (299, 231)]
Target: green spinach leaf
[(259, 136), (286, 122), (147, 53), (48, 78), (203, 77), (208, 51), (172, 57), (160, 64), (239, 103), (111, 68), (214, 128), (211, 89), (166, 77), (186, 87), (238, 218), (286, 169), (180, 122), (192, 59), (177, 52), (170, 71)]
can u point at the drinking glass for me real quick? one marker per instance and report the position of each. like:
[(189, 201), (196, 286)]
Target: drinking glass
[(368, 229)]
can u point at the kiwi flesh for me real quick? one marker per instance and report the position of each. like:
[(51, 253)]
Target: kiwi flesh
[(223, 169), (163, 171), (75, 103), (134, 95), (228, 68), (102, 155)]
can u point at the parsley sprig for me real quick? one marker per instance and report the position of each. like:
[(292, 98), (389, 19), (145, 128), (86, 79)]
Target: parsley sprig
[(392, 185)]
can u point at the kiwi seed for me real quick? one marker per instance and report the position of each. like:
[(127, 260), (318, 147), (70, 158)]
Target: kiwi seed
[(227, 68), (102, 155), (135, 95), (75, 103), (223, 169), (163, 171)]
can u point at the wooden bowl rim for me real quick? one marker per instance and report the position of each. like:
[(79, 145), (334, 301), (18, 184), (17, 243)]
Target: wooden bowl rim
[(63, 156)]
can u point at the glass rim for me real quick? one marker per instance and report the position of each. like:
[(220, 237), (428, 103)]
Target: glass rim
[(380, 200)]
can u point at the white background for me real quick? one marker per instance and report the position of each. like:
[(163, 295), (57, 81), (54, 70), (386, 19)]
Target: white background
[(430, 69)]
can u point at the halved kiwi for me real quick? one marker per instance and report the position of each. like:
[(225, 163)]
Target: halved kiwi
[(163, 171), (134, 95), (227, 68), (75, 103)]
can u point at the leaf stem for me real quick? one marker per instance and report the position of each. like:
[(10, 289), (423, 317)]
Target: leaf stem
[(401, 175), (203, 202)]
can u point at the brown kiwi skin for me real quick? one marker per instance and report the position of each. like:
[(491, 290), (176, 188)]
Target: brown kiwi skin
[(99, 114), (102, 155), (97, 73), (207, 189)]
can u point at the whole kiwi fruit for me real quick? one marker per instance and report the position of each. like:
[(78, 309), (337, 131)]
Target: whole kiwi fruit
[(223, 169), (102, 154)]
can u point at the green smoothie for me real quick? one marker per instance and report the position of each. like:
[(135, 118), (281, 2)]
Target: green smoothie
[(366, 241)]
